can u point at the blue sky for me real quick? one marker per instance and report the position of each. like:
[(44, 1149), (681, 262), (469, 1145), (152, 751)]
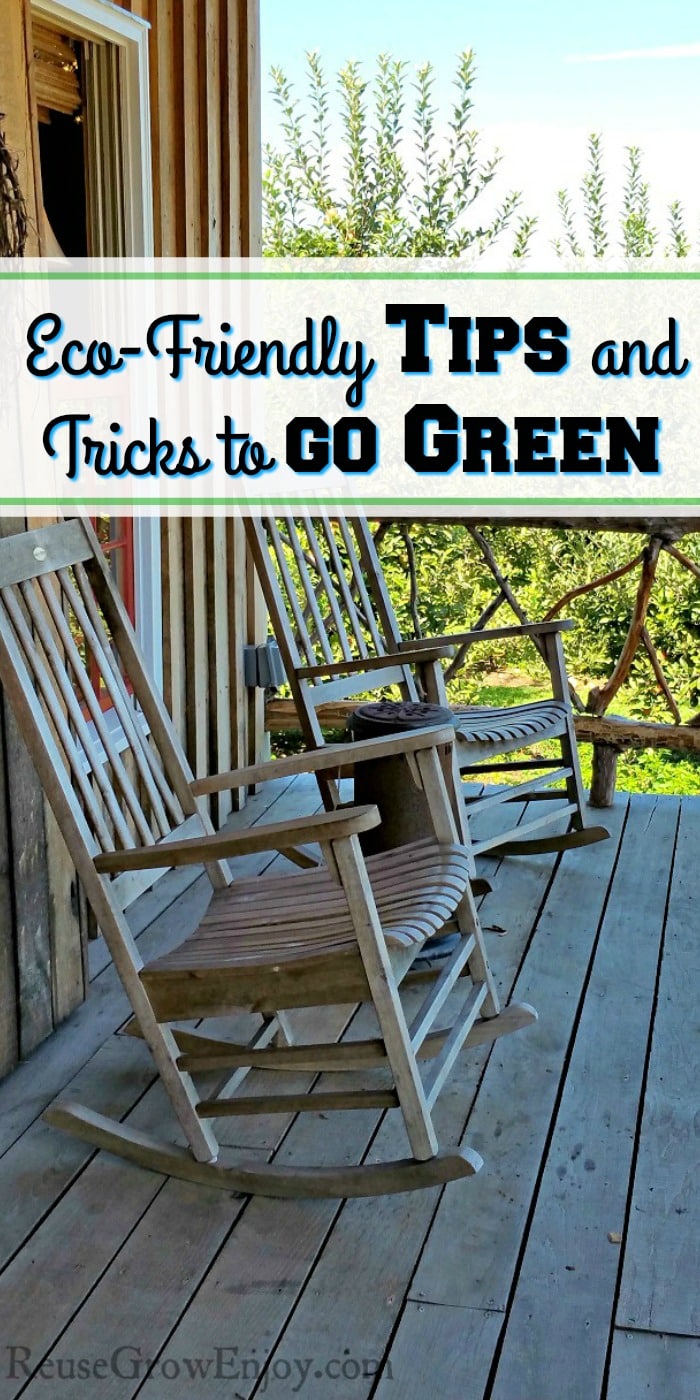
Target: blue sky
[(523, 48), (549, 71)]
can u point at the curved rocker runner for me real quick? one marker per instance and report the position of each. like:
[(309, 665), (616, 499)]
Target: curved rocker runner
[(339, 636), (349, 930)]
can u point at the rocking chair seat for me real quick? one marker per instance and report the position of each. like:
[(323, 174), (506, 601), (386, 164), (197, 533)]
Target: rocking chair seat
[(512, 726), (267, 933), (344, 933), (339, 636)]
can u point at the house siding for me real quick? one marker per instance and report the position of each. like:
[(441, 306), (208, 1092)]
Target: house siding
[(205, 150)]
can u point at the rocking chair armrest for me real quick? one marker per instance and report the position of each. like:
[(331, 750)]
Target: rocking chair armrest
[(226, 845), (410, 654), (493, 634), (329, 759)]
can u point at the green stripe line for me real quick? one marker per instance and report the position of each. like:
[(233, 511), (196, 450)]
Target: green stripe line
[(374, 501), (455, 276)]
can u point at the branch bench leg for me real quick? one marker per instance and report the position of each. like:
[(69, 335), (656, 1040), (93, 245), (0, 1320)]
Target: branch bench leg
[(604, 775)]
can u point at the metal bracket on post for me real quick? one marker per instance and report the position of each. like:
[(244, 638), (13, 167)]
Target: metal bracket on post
[(262, 666)]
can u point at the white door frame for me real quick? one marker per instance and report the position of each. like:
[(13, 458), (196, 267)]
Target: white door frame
[(99, 19)]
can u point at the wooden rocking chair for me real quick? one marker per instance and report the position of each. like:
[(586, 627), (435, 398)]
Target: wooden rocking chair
[(339, 636), (347, 931)]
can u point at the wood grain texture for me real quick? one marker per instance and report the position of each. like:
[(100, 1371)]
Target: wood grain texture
[(662, 1254), (513, 1114), (219, 674), (9, 1030), (32, 911), (262, 1267), (356, 930), (30, 554), (68, 938), (173, 586), (122, 1304), (168, 116), (145, 1289), (329, 759), (361, 1279), (568, 1276), (33, 1085), (277, 1298), (636, 734), (110, 1192), (312, 622), (236, 555), (204, 90), (25, 1094), (196, 645), (646, 1364), (113, 1078), (19, 108), (198, 849), (192, 97), (203, 59), (28, 932), (307, 1278), (214, 70), (440, 1351), (262, 1179), (256, 635)]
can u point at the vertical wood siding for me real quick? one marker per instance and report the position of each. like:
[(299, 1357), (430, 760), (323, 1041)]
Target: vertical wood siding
[(205, 141)]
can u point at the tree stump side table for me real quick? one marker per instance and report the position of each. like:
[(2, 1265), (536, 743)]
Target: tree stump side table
[(387, 782)]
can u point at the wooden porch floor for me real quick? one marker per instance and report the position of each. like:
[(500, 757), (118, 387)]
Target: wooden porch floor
[(566, 1270)]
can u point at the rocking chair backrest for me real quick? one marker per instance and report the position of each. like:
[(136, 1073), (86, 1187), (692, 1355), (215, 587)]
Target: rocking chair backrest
[(319, 577), (101, 739)]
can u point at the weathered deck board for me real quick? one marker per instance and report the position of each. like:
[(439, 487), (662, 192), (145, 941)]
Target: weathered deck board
[(646, 1364), (112, 1256), (444, 1351), (248, 1274), (188, 1238), (40, 1166), (366, 1267), (27, 1092), (37, 1081), (248, 1294), (90, 1222), (151, 1280), (112, 1081), (512, 1116), (661, 1273), (359, 1279), (568, 1278)]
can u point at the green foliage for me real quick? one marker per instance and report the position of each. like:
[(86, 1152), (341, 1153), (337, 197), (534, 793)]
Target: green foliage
[(454, 586), (404, 192), (406, 185), (542, 565), (407, 182), (639, 237), (588, 235), (680, 245), (594, 198)]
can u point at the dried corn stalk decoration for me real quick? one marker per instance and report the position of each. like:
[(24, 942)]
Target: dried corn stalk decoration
[(13, 210)]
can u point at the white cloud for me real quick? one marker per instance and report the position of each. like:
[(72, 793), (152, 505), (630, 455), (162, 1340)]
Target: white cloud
[(663, 51)]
